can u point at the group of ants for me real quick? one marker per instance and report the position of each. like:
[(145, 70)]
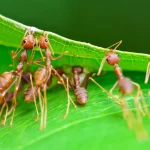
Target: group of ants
[(42, 79)]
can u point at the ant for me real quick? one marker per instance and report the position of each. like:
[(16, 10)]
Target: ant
[(79, 78), (9, 95), (7, 81), (28, 43), (126, 86), (78, 83), (43, 75)]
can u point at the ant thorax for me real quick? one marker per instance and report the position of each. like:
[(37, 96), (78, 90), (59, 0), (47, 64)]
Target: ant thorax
[(82, 77)]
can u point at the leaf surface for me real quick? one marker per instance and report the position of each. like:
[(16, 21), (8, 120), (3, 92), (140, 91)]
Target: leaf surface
[(97, 125)]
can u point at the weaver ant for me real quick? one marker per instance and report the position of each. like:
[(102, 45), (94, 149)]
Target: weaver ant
[(9, 95), (126, 86), (78, 79), (43, 75), (6, 79)]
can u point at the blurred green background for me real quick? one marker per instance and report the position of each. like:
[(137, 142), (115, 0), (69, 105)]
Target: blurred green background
[(99, 22)]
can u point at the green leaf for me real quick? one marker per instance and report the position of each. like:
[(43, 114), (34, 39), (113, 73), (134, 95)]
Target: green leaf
[(11, 33), (97, 125)]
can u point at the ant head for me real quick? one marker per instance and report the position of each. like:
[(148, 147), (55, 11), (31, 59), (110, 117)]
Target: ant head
[(43, 42), (60, 71), (77, 69), (28, 42), (112, 58)]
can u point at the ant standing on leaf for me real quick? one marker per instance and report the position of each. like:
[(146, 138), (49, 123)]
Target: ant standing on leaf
[(126, 86), (79, 92), (43, 75), (75, 83), (78, 82), (7, 78)]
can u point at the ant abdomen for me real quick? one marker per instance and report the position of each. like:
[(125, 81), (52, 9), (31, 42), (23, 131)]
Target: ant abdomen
[(40, 76), (81, 95), (49, 82), (30, 93), (5, 81), (125, 85)]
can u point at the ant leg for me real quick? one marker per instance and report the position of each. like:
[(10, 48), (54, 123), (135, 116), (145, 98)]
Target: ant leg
[(111, 90), (35, 62), (45, 99), (138, 107), (8, 113), (41, 106), (67, 90), (127, 113), (117, 45), (109, 94), (101, 65), (41, 53), (141, 132), (50, 46), (3, 122), (140, 93), (32, 57), (45, 106), (13, 56), (14, 100), (68, 105), (37, 113), (133, 123), (147, 73), (3, 106), (62, 55)]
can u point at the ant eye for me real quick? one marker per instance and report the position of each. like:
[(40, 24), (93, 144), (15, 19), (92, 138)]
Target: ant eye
[(24, 41), (34, 44), (107, 59), (46, 40)]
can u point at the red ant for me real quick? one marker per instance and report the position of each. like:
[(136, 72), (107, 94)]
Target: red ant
[(78, 83), (6, 79), (43, 75), (9, 95), (79, 78), (126, 86)]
